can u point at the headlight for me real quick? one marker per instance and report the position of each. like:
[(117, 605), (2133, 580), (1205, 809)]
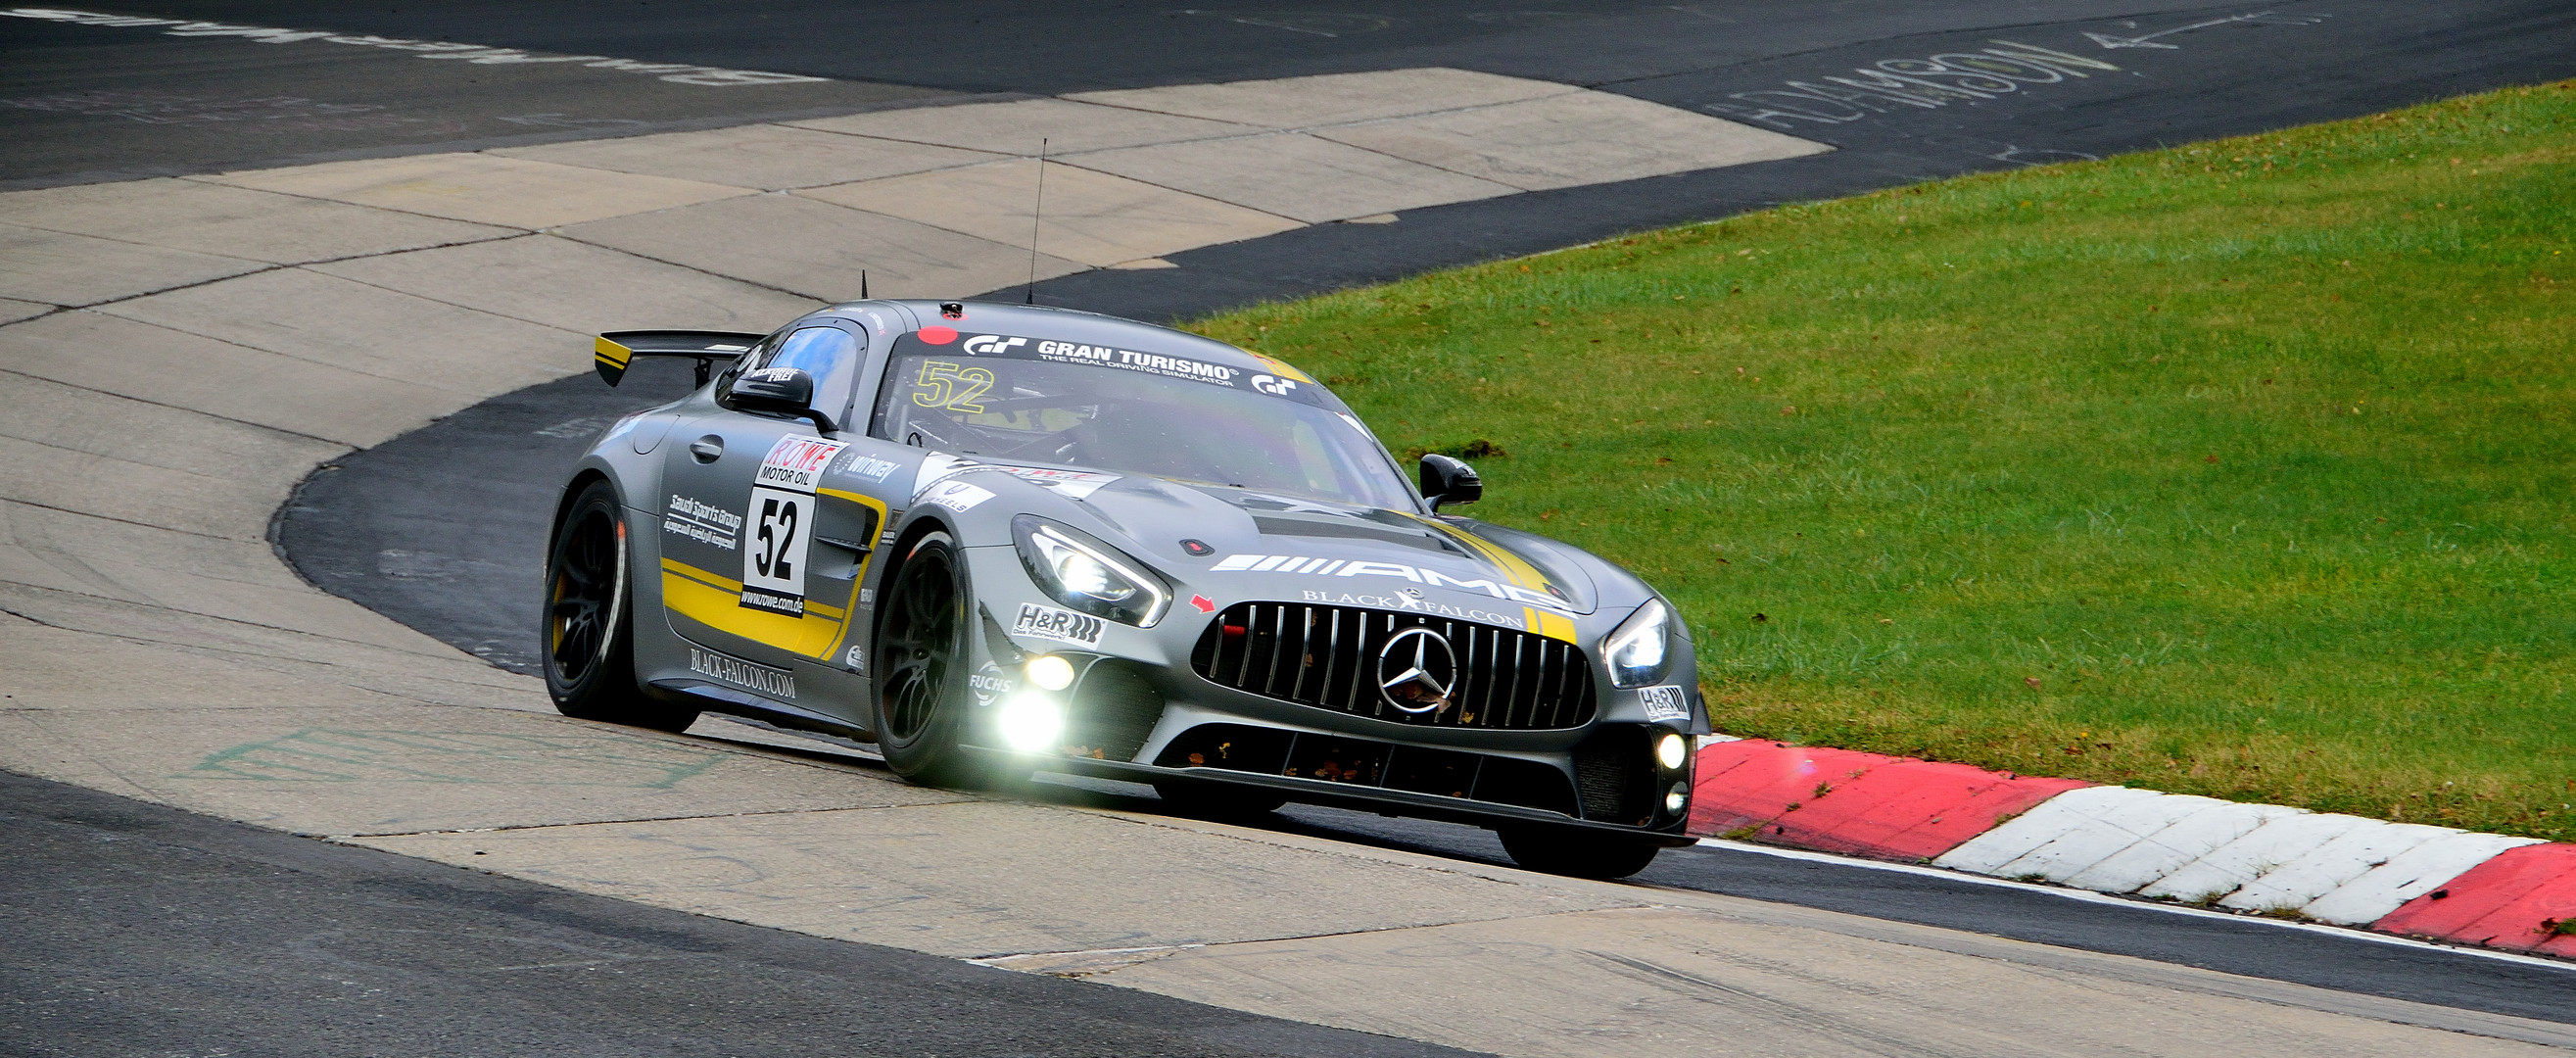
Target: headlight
[(1087, 575), (1672, 751), (1051, 672), (1636, 651), (1030, 723)]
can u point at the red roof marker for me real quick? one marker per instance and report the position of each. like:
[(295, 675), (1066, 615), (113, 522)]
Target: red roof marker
[(936, 335)]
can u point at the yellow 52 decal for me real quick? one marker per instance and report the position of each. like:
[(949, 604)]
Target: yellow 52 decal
[(946, 384)]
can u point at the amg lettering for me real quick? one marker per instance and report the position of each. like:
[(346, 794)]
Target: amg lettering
[(1299, 564)]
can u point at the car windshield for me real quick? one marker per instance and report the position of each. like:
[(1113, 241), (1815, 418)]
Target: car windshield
[(1065, 404)]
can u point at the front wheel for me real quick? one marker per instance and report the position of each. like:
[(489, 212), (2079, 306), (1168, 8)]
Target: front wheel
[(921, 691), (590, 626), (1578, 853)]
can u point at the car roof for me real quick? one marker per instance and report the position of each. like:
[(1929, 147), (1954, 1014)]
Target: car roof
[(1071, 325)]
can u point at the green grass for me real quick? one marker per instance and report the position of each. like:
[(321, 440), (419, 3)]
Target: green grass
[(2245, 469)]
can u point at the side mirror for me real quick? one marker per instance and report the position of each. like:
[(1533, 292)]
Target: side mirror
[(781, 390), (1446, 481)]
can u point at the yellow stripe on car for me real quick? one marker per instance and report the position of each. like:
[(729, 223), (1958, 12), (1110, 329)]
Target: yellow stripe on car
[(715, 601), (1551, 625), (1515, 568)]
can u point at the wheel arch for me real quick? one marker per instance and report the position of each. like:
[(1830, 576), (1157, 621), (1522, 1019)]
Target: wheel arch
[(572, 490), (914, 529)]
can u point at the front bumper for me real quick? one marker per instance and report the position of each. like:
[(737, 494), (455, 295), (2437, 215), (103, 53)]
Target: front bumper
[(1339, 795), (1139, 711), (1125, 722)]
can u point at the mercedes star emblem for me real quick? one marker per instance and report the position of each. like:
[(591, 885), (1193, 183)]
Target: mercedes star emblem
[(1415, 671)]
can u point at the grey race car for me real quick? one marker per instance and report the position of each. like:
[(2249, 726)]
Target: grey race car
[(995, 540)]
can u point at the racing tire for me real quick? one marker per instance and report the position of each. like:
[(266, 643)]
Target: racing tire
[(921, 695), (1217, 801), (1578, 853), (589, 632)]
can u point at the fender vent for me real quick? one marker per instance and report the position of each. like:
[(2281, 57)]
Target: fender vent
[(1326, 657)]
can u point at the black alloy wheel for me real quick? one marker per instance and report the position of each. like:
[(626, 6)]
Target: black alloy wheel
[(921, 691), (1577, 852), (590, 632)]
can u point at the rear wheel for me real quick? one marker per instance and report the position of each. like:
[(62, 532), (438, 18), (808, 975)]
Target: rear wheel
[(1217, 800), (590, 627), (921, 691), (1576, 852)]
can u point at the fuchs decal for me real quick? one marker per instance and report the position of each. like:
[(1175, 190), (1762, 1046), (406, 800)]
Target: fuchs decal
[(988, 684)]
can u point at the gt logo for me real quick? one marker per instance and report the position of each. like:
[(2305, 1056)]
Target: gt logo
[(992, 344), (1277, 387)]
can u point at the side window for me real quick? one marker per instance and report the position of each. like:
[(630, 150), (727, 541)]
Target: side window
[(830, 354), (748, 360)]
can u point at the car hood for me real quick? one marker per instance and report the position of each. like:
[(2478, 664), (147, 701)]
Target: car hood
[(1253, 545)]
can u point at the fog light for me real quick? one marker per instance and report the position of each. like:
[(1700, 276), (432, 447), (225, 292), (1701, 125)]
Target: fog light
[(1674, 800), (1030, 723), (1051, 672), (1671, 750)]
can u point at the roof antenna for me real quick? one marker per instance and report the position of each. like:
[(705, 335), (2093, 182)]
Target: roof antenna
[(863, 284), (1034, 213)]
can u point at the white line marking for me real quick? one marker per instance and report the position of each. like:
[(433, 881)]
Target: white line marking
[(478, 54), (2087, 896), (2107, 41)]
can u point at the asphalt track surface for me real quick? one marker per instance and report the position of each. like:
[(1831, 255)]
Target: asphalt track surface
[(441, 528), (138, 929)]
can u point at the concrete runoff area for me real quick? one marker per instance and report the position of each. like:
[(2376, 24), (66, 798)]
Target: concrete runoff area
[(484, 188), (159, 430), (766, 157), (233, 221), (1091, 217), (65, 269)]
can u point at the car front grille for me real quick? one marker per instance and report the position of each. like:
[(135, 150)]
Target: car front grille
[(1326, 657)]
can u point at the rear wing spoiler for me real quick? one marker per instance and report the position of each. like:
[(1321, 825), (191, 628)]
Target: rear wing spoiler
[(612, 351)]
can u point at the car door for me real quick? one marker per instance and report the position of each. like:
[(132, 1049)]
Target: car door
[(743, 570)]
